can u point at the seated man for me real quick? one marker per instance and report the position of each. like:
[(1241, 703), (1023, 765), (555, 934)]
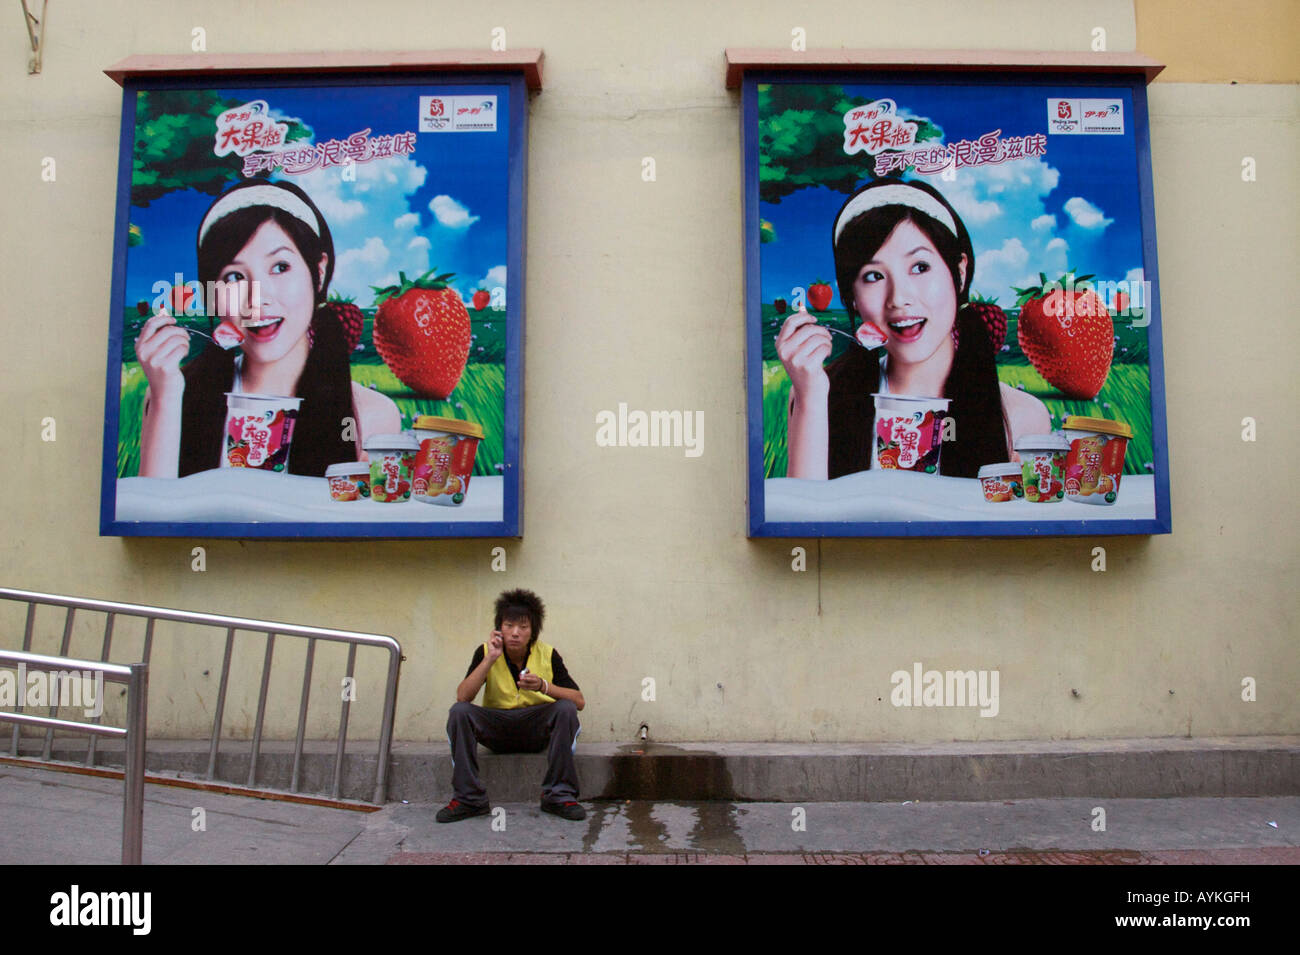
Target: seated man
[(530, 703)]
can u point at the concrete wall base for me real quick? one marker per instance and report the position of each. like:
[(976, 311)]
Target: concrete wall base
[(775, 772)]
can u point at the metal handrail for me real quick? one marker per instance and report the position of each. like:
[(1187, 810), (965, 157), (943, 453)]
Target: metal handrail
[(136, 678), (272, 629)]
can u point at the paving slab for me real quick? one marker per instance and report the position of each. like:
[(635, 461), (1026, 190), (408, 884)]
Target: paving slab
[(71, 819)]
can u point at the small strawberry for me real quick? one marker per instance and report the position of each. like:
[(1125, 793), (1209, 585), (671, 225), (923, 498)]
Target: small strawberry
[(994, 319), (181, 296), (349, 316), (422, 333), (1067, 334), (780, 306), (819, 295), (142, 307), (481, 299)]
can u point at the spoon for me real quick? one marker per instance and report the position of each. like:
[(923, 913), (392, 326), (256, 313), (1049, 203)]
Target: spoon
[(194, 331)]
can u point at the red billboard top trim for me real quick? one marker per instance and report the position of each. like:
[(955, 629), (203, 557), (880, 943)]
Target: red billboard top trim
[(527, 60), (740, 59)]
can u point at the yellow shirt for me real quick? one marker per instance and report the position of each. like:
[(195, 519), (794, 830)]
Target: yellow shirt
[(500, 692)]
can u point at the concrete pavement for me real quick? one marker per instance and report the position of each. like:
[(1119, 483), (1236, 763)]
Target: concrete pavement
[(70, 819)]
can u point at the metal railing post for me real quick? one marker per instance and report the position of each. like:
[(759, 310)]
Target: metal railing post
[(137, 721), (136, 677)]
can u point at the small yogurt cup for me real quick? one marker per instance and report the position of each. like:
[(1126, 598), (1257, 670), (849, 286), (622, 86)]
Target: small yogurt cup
[(391, 459), (259, 431), (348, 482), (1095, 461), (1042, 463), (1002, 482), (908, 432), (445, 461)]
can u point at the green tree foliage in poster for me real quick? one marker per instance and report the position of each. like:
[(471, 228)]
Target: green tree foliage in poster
[(801, 140), (173, 144)]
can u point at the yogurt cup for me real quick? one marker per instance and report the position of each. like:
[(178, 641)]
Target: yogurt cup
[(259, 431), (348, 482), (445, 460), (1042, 463), (1002, 482), (1095, 461), (391, 458), (908, 433)]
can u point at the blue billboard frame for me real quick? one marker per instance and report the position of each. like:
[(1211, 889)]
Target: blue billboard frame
[(1059, 81), (511, 524)]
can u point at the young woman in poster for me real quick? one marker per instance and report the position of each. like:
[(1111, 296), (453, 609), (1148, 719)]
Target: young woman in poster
[(272, 234), (904, 264)]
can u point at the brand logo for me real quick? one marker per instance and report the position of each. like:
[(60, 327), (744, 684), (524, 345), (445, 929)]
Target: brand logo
[(458, 114), (1084, 116), (83, 688), (946, 688), (654, 429), (75, 907)]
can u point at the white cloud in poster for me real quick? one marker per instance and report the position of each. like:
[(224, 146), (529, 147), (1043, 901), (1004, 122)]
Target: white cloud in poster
[(1003, 207), (451, 213), (372, 223), (1084, 214)]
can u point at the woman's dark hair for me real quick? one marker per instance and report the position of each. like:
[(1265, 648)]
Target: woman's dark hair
[(230, 233), (972, 385), (516, 604), (325, 386)]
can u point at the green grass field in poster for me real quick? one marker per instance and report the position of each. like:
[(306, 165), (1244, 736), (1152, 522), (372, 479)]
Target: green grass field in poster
[(479, 396), (1126, 395)]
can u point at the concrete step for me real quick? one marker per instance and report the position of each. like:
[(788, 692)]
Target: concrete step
[(771, 772)]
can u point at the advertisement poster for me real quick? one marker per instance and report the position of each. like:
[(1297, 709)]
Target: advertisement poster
[(952, 307), (316, 320)]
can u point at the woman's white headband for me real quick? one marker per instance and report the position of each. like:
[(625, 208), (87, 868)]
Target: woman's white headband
[(259, 196), (869, 199)]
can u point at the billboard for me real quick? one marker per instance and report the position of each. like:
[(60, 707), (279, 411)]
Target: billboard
[(952, 308), (316, 320)]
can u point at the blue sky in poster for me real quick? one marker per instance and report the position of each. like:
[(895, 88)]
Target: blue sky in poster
[(445, 205), (1076, 206)]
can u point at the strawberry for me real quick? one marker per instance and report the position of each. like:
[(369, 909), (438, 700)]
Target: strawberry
[(481, 299), (819, 295), (349, 317), (1121, 303), (994, 319), (780, 306), (181, 297), (142, 307), (422, 333), (1067, 334)]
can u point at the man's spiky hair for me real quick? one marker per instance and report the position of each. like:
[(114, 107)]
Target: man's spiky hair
[(513, 604)]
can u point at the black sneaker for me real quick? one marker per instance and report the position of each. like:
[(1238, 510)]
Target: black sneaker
[(456, 810), (565, 810)]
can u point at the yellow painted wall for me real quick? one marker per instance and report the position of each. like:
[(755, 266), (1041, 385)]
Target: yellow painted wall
[(634, 295), (1203, 41)]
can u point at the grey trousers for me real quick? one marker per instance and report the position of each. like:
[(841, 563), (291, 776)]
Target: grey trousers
[(530, 729)]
